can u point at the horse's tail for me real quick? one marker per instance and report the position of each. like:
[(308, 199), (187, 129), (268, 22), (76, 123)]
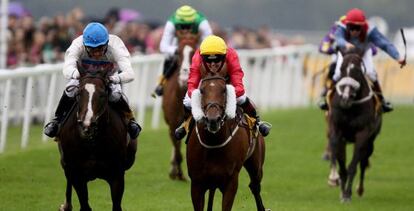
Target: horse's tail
[(130, 153), (210, 199)]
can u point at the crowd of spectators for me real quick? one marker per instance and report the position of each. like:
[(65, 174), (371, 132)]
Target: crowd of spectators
[(32, 42)]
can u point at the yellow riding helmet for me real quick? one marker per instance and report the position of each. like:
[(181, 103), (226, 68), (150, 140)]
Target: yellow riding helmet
[(186, 14), (213, 45)]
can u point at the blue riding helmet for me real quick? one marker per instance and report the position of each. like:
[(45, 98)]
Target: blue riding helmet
[(94, 35)]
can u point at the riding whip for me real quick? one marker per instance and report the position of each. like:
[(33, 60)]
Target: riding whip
[(405, 45)]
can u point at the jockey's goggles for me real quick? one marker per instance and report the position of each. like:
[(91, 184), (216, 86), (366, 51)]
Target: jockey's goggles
[(184, 26), (354, 27), (215, 58), (100, 48)]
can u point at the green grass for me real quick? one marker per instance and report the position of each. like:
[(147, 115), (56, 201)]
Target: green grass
[(295, 177)]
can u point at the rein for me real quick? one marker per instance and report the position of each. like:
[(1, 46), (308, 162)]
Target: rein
[(219, 145)]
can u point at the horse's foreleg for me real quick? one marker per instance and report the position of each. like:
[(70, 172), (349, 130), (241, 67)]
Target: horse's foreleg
[(363, 165), (229, 193), (117, 186), (210, 199), (254, 167), (131, 151), (67, 206), (197, 196), (81, 189), (176, 172)]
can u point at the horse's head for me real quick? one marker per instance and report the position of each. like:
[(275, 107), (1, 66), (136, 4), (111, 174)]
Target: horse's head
[(186, 48), (213, 102), (352, 79), (92, 100)]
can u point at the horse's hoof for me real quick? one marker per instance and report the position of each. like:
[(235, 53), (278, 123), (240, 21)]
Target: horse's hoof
[(360, 191), (333, 183), (346, 200), (65, 207)]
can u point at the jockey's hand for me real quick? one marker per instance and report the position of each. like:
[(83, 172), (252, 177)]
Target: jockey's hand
[(75, 74), (349, 46), (115, 79), (402, 62)]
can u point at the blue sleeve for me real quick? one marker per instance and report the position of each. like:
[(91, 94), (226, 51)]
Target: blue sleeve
[(340, 37), (382, 42)]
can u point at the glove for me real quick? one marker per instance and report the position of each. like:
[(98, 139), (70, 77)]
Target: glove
[(75, 74), (115, 79), (402, 62)]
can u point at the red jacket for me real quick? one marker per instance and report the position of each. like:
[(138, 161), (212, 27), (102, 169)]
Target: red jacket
[(234, 70)]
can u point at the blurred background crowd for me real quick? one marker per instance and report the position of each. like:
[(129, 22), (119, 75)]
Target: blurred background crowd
[(45, 40)]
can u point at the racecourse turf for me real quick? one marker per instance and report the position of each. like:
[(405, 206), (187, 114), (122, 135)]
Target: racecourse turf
[(295, 176)]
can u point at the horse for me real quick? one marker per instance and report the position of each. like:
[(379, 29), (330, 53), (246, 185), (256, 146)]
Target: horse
[(172, 101), (219, 144), (354, 116), (93, 142)]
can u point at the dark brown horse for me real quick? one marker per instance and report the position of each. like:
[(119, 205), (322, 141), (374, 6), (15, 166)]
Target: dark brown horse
[(172, 104), (93, 142), (219, 144), (354, 117)]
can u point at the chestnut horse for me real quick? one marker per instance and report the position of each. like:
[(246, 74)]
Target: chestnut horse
[(93, 142), (219, 144), (354, 117), (174, 92)]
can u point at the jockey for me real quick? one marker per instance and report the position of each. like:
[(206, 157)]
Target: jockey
[(214, 54), (328, 47), (185, 19), (355, 32), (96, 47)]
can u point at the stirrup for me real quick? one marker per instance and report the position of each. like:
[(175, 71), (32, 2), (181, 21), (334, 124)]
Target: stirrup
[(264, 128), (323, 105), (387, 107), (51, 129), (180, 132), (158, 91), (134, 129)]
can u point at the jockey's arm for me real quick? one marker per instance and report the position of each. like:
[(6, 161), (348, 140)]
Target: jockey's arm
[(235, 72), (340, 38), (123, 59), (167, 41), (382, 42), (195, 75), (72, 55), (205, 29)]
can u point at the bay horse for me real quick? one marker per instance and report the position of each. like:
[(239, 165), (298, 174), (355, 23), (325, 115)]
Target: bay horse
[(172, 101), (219, 144), (354, 116), (93, 142)]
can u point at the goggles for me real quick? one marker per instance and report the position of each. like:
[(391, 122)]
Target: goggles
[(101, 48), (184, 26), (215, 58), (353, 27)]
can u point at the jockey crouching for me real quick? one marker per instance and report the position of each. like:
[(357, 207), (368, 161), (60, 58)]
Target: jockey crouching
[(214, 54), (96, 47), (185, 19), (355, 32)]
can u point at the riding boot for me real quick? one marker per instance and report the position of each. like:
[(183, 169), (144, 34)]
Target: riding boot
[(181, 131), (170, 65), (386, 105), (133, 127), (65, 104), (249, 109), (323, 104)]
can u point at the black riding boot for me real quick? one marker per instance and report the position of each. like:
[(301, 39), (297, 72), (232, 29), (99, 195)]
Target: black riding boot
[(323, 104), (180, 132), (65, 104), (170, 65), (386, 105), (133, 127), (250, 110)]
